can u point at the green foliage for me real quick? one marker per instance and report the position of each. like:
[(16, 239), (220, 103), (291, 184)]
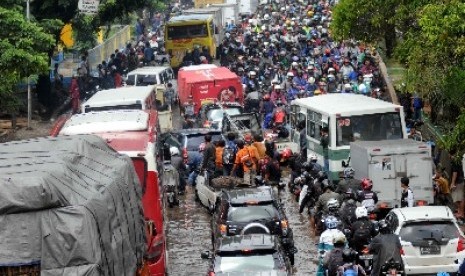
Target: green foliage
[(86, 28), (23, 51), (454, 141)]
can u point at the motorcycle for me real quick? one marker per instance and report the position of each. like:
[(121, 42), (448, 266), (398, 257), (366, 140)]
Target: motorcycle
[(392, 268), (170, 181), (365, 259)]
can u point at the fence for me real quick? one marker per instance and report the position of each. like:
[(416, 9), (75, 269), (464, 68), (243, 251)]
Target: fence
[(108, 47)]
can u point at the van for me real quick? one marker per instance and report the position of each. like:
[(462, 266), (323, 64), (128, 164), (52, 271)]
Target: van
[(150, 75), (132, 97)]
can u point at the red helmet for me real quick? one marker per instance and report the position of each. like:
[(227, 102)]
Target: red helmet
[(266, 97), (285, 154), (367, 184)]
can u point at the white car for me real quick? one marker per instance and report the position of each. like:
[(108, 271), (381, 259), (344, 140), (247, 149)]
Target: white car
[(431, 240)]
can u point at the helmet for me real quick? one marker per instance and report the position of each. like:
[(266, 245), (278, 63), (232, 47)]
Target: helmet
[(277, 86), (247, 138), (321, 175), (240, 143), (279, 102), (325, 184), (361, 212), (201, 147), (339, 238), (349, 173), (266, 97), (266, 17), (331, 222), (313, 157), (174, 151), (367, 184), (349, 194), (307, 166), (306, 175), (333, 205), (252, 73), (285, 154), (349, 255), (311, 80), (384, 227), (290, 74)]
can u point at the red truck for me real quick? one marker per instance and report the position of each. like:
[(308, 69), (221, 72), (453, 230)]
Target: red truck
[(209, 84)]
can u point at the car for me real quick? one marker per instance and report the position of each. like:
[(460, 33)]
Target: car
[(255, 254), (212, 114), (252, 211), (188, 140), (431, 240), (208, 192)]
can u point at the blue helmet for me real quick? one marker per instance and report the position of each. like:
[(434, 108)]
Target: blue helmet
[(331, 222)]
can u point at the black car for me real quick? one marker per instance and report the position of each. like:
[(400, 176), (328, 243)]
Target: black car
[(188, 140), (255, 254), (252, 211)]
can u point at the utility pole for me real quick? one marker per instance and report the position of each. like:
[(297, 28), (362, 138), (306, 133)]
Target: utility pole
[(29, 96)]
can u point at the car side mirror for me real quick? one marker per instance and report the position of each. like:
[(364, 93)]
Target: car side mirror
[(206, 255)]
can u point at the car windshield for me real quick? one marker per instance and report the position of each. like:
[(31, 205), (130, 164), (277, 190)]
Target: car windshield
[(245, 264), (252, 212), (217, 114), (368, 127), (418, 231), (193, 141)]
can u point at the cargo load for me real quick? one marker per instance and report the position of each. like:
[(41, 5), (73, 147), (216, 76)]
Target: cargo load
[(69, 206)]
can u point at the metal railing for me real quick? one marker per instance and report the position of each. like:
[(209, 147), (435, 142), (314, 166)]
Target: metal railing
[(103, 51)]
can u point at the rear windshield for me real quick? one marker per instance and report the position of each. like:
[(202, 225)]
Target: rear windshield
[(114, 107), (251, 213), (245, 264), (142, 80), (193, 141), (419, 231)]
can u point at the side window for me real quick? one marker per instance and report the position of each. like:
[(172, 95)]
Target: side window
[(314, 124)]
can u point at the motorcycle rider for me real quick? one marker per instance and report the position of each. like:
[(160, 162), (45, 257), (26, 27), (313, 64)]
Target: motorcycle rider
[(252, 101), (362, 230), (322, 203), (347, 210), (316, 168), (384, 247), (348, 182), (367, 197), (333, 259), (350, 267), (178, 163)]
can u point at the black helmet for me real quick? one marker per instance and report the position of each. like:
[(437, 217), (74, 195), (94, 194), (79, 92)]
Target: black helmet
[(306, 175), (384, 227), (325, 184), (349, 255), (307, 166), (321, 175), (259, 180)]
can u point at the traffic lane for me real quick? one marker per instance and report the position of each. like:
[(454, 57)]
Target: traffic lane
[(188, 234), (306, 258)]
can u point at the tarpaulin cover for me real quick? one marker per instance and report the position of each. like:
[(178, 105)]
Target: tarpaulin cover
[(71, 203)]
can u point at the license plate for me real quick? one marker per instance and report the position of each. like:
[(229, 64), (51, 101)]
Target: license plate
[(430, 250), (366, 257)]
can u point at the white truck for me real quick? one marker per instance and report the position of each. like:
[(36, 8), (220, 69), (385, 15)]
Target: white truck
[(386, 162)]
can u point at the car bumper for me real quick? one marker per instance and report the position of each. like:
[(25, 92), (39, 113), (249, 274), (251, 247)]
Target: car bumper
[(412, 270)]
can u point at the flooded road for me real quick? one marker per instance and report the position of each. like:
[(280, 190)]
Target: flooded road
[(188, 231)]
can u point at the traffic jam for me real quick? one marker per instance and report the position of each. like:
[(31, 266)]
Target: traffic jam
[(275, 152)]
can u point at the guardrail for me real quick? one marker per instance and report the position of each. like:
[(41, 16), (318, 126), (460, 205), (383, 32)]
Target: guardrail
[(103, 51)]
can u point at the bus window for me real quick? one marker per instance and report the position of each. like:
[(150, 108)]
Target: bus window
[(140, 165), (314, 124), (369, 127)]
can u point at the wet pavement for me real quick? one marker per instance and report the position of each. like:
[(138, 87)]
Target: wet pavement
[(188, 231)]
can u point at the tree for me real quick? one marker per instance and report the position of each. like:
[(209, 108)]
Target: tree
[(23, 52)]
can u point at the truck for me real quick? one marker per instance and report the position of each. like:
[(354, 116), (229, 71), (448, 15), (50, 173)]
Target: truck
[(204, 3), (70, 206), (217, 13), (386, 162), (230, 12), (247, 7), (208, 85)]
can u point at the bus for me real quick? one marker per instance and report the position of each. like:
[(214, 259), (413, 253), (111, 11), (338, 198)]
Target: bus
[(183, 32), (134, 133), (349, 117)]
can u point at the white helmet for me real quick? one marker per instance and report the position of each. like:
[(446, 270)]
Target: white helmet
[(277, 86), (290, 74), (313, 157), (174, 151), (266, 17), (311, 80), (252, 73), (361, 212), (339, 238)]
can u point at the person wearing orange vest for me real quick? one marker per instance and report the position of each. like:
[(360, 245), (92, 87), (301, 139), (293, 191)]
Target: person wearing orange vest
[(247, 158)]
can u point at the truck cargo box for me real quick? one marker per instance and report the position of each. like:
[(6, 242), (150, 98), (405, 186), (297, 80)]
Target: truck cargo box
[(386, 162), (71, 206)]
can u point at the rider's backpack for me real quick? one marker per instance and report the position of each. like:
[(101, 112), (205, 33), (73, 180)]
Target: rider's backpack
[(279, 116), (350, 272), (229, 154), (335, 261)]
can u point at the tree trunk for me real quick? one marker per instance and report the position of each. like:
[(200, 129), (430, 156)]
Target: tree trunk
[(390, 40)]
